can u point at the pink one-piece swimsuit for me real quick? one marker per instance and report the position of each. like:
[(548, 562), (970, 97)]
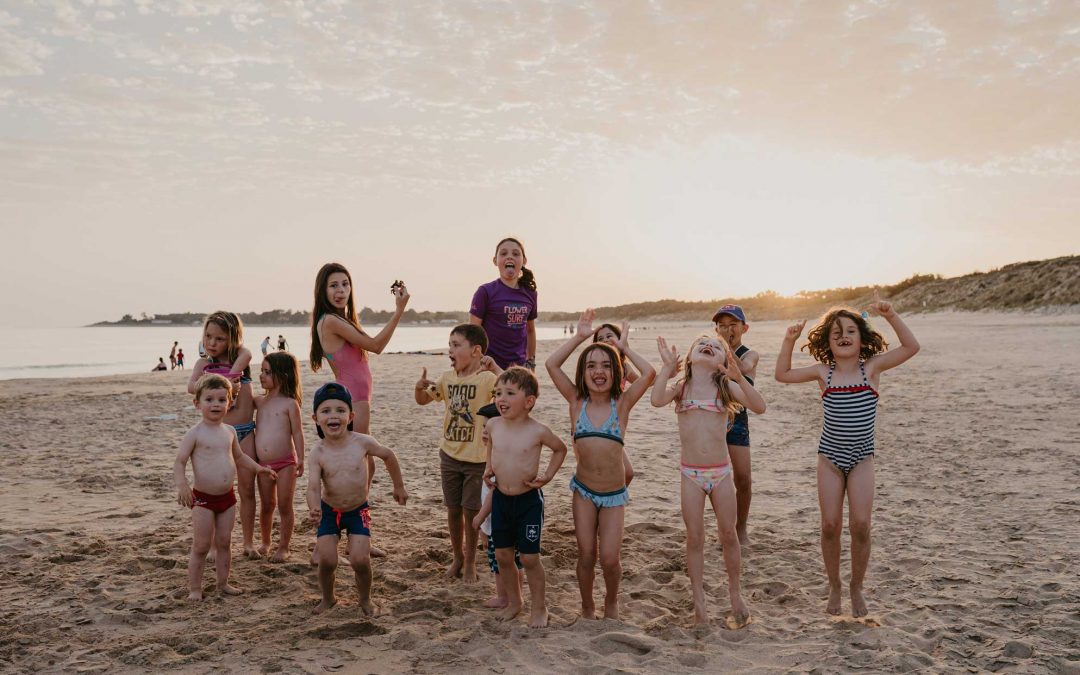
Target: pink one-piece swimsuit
[(352, 370)]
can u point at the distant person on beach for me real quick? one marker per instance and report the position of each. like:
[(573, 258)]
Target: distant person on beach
[(282, 345), (466, 388), (336, 335), (851, 356), (513, 471), (180, 359), (265, 346), (226, 355), (506, 308), (160, 365), (337, 492), (730, 322), (598, 487), (215, 455), (279, 444), (172, 355), (707, 398)]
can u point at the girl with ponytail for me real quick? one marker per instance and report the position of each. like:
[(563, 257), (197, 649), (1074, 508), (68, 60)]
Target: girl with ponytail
[(506, 308)]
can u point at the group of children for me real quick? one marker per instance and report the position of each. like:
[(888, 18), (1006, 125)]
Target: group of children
[(490, 449)]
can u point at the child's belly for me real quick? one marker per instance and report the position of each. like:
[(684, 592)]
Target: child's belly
[(600, 464), (273, 441), (214, 477)]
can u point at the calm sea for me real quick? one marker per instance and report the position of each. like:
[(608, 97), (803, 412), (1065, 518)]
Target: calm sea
[(86, 352)]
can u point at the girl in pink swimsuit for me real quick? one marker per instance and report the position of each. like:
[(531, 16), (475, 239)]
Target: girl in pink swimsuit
[(336, 335), (707, 399)]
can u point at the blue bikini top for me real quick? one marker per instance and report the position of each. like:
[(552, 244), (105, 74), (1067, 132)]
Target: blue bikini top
[(609, 429)]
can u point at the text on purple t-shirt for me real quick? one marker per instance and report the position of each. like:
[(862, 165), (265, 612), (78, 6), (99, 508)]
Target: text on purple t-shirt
[(504, 313)]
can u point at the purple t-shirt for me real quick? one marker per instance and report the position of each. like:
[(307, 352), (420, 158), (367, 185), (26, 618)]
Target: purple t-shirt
[(504, 313)]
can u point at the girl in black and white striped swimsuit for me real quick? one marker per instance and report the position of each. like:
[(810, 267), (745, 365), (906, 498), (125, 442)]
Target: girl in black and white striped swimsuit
[(847, 434)]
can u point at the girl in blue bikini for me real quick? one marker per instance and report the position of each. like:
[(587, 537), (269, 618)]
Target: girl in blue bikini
[(226, 355), (851, 356), (599, 413), (707, 399)]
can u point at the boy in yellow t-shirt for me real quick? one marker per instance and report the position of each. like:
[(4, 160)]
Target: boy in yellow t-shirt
[(466, 387)]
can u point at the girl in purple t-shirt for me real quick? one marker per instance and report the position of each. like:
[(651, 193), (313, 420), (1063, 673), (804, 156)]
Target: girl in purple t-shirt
[(506, 308)]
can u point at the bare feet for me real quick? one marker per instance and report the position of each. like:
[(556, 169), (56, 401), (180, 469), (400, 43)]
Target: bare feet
[(251, 553), (468, 575), (495, 602), (611, 609), (376, 552), (538, 618), (834, 601), (744, 538), (369, 608), (737, 620), (263, 550), (280, 555), (701, 617), (195, 596), (588, 610), (858, 603), (229, 589), (324, 606), (510, 611), (454, 570)]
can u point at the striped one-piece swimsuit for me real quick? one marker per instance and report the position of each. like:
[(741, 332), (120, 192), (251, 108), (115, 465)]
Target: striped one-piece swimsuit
[(847, 434)]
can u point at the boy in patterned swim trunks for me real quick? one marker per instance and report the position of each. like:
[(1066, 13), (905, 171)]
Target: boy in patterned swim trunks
[(337, 492), (214, 452)]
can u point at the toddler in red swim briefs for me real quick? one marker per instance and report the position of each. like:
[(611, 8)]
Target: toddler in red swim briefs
[(214, 453)]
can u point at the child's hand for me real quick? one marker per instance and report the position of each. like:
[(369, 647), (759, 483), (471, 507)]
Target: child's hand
[(299, 469), (401, 297), (885, 309), (315, 515), (487, 363), (794, 331), (401, 495), (669, 355), (731, 363), (584, 324), (268, 470), (624, 339), (423, 383), (477, 522), (538, 482), (489, 474), (184, 496)]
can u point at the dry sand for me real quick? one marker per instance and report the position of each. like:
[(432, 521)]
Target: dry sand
[(976, 530)]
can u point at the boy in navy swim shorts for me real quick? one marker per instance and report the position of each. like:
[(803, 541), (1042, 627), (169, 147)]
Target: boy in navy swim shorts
[(337, 492), (517, 508)]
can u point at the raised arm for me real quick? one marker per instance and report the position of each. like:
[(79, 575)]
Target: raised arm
[(784, 372), (297, 437), (909, 346), (662, 392), (388, 457), (422, 389), (641, 384), (183, 489), (243, 360), (558, 357), (338, 326), (196, 373), (739, 386)]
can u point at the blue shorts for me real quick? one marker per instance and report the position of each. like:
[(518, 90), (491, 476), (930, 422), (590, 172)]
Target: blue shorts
[(356, 521), (518, 521), (601, 500), (739, 433), (243, 430)]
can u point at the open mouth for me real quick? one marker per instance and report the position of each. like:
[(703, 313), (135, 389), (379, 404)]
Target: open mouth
[(503, 408)]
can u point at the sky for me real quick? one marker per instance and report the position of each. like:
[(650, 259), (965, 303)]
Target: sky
[(190, 155)]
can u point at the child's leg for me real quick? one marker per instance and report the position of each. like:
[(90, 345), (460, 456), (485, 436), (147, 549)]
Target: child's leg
[(362, 424), (245, 484), (534, 571), (499, 599), (223, 528), (468, 573), (267, 502), (286, 489), (360, 560), (830, 483), (505, 558), (628, 468), (454, 516), (725, 507), (740, 464), (611, 534), (860, 494), (326, 549), (693, 513), (202, 526), (585, 524)]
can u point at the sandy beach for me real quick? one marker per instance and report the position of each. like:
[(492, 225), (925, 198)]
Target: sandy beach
[(975, 533)]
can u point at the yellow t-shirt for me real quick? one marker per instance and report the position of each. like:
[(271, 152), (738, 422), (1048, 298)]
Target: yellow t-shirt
[(462, 427)]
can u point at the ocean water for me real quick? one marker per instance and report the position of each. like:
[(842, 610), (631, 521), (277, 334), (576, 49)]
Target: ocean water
[(88, 352)]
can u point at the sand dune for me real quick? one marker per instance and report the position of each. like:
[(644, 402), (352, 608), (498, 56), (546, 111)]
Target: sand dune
[(976, 528)]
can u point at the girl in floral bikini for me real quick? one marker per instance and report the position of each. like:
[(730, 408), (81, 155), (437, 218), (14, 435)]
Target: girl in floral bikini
[(707, 398)]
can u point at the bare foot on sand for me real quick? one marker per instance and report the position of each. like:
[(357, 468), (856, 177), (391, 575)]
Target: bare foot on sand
[(229, 589), (701, 617), (468, 575), (858, 603), (510, 611), (263, 550), (324, 606), (834, 601), (251, 553), (611, 609), (376, 552), (744, 538), (495, 602), (195, 596), (454, 570), (740, 614), (588, 610), (280, 555), (369, 608), (538, 618)]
